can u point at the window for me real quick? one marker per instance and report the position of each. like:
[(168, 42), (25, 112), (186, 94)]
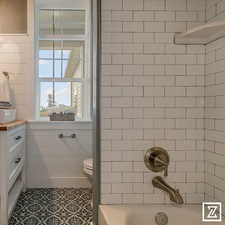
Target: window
[(63, 65)]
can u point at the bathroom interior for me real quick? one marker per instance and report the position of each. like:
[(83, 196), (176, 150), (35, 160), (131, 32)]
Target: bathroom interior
[(112, 112)]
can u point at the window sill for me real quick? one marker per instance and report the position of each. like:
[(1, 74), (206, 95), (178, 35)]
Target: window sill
[(59, 125)]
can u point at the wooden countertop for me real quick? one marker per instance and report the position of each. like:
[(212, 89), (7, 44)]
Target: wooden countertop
[(8, 126)]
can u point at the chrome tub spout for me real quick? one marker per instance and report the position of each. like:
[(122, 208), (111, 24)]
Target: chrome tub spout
[(174, 194)]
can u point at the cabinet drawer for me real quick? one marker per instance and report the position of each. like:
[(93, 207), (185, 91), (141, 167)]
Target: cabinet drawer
[(16, 160), (16, 136), (15, 150)]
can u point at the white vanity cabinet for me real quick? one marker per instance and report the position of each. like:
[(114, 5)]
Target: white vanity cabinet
[(12, 166)]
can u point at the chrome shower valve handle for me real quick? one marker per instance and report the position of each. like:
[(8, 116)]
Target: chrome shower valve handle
[(157, 160), (161, 163)]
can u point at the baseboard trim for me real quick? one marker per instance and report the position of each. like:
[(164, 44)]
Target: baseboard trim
[(61, 182)]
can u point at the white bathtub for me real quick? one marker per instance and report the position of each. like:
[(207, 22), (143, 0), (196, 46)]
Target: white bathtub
[(145, 215)]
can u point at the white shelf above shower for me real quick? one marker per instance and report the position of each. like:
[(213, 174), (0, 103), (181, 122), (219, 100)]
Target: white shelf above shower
[(203, 34)]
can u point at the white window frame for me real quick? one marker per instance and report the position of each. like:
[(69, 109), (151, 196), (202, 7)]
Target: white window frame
[(85, 81)]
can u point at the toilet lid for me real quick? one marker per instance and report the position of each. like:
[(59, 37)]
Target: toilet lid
[(88, 163)]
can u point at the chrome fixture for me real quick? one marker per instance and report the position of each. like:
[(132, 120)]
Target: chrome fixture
[(174, 194), (6, 74), (157, 159), (161, 218), (69, 136)]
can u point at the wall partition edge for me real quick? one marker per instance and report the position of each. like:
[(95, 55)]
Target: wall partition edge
[(96, 59)]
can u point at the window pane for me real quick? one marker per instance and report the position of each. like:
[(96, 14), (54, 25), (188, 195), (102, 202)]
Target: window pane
[(58, 49), (57, 68), (73, 22), (46, 49), (45, 68), (57, 22), (66, 53), (63, 96), (65, 66), (73, 55), (69, 46), (68, 59), (46, 98), (77, 99), (46, 22), (60, 97), (62, 22)]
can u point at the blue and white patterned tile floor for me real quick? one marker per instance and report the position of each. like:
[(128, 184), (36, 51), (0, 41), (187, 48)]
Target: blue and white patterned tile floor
[(47, 206)]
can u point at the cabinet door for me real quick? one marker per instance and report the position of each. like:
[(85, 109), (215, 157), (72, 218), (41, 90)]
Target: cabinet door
[(13, 16)]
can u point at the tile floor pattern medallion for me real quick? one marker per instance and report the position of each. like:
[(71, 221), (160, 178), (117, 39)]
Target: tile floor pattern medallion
[(47, 206)]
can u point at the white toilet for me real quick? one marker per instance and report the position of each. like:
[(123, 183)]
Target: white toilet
[(88, 168)]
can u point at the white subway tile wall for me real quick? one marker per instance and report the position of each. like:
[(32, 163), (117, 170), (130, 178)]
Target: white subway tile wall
[(16, 53), (215, 110), (215, 10), (153, 95)]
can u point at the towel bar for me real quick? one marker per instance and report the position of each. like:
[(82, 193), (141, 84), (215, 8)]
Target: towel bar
[(67, 136)]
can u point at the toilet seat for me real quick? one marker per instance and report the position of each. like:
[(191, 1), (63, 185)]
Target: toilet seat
[(88, 172), (88, 166)]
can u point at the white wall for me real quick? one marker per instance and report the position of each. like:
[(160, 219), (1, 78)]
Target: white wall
[(51, 162), (215, 10), (215, 110), (55, 162), (152, 95)]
